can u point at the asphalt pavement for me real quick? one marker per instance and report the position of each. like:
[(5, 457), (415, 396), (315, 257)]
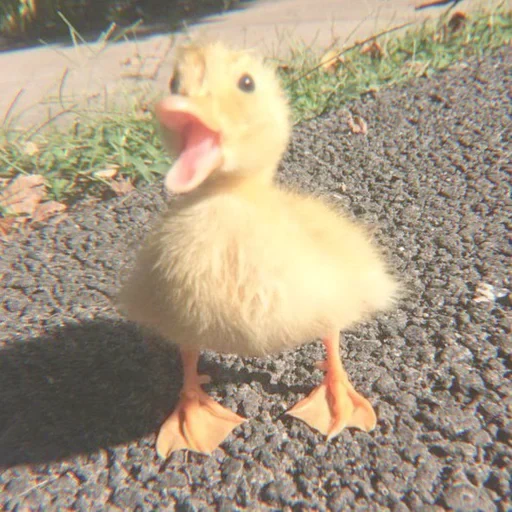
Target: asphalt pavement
[(82, 393)]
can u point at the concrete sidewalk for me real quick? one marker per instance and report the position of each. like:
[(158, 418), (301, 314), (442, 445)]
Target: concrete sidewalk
[(39, 83)]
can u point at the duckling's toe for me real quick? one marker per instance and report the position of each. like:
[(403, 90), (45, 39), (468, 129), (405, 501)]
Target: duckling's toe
[(334, 405), (198, 423)]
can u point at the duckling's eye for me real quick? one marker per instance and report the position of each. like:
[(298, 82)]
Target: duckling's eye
[(174, 84), (246, 83)]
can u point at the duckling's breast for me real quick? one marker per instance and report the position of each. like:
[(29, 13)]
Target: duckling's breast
[(238, 276)]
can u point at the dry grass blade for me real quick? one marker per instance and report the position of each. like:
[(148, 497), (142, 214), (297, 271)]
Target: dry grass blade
[(41, 484), (355, 45), (12, 105), (437, 3)]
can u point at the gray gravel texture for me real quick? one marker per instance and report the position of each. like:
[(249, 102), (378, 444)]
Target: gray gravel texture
[(82, 393)]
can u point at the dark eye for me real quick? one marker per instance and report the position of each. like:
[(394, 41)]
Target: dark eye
[(174, 84), (246, 83)]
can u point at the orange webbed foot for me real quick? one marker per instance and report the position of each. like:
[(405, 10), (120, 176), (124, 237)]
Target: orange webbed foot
[(334, 404), (198, 422)]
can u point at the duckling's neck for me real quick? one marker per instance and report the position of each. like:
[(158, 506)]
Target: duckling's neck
[(223, 183)]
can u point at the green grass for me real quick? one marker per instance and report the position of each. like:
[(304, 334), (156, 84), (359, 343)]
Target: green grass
[(419, 51), (71, 158)]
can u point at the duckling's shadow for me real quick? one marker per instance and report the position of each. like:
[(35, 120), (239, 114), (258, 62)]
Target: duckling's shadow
[(96, 385), (80, 388), (247, 374)]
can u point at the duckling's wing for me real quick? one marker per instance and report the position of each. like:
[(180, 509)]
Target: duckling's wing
[(349, 245)]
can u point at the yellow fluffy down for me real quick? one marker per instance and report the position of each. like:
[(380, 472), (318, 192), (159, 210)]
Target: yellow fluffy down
[(254, 273), (239, 265)]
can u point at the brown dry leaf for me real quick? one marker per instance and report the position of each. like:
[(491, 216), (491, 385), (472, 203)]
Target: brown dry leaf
[(108, 173), (23, 194), (457, 21), (331, 61), (357, 124), (486, 292), (144, 111), (122, 186), (31, 148), (6, 225), (46, 210), (418, 68), (374, 49)]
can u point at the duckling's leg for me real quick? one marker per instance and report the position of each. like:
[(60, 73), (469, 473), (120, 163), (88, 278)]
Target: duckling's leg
[(335, 404), (198, 422)]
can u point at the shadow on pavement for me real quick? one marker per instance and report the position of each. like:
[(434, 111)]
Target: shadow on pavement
[(96, 385), (81, 388)]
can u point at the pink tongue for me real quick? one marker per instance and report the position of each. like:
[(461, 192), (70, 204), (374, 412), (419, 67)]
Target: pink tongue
[(200, 157)]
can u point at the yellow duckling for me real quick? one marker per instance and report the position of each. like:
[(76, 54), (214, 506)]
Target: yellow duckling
[(239, 265)]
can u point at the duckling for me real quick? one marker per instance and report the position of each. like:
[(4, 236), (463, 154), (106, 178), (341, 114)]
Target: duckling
[(240, 265)]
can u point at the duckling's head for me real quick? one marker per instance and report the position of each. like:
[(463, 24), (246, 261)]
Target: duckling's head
[(226, 118)]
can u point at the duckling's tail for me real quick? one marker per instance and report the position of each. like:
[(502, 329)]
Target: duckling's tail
[(384, 291)]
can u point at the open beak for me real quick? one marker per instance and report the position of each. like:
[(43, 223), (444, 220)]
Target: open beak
[(198, 142)]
